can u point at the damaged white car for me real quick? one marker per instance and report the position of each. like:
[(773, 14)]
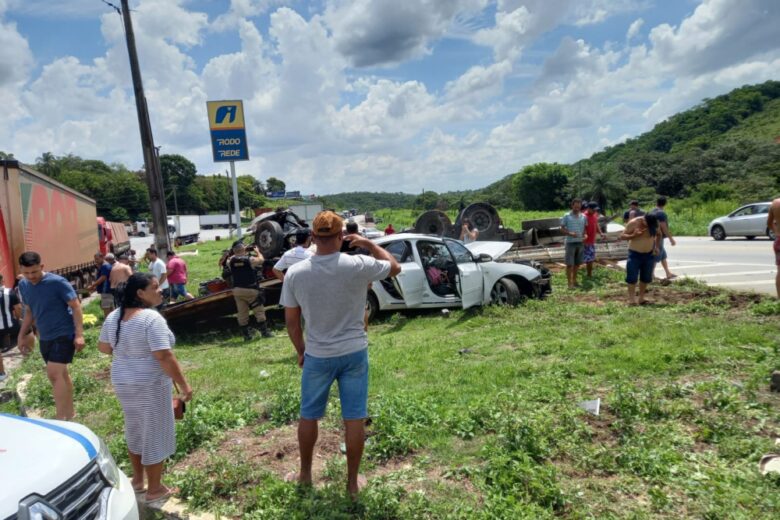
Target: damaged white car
[(443, 272)]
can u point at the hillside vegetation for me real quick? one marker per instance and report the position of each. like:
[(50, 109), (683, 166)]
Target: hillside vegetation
[(724, 149)]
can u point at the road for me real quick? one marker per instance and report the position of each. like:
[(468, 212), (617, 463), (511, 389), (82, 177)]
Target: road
[(141, 243), (735, 263)]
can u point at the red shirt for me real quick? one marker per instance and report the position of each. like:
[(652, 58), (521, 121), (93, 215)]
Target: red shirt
[(177, 270), (591, 228), (389, 230)]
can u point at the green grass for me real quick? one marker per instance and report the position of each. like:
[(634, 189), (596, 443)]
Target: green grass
[(475, 415)]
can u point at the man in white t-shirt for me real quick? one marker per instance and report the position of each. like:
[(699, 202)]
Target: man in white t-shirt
[(293, 256), (157, 268), (328, 291)]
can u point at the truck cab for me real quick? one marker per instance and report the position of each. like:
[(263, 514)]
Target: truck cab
[(56, 470)]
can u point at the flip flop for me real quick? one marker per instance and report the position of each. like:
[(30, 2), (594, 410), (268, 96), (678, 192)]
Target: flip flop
[(162, 498), (646, 302), (139, 490)]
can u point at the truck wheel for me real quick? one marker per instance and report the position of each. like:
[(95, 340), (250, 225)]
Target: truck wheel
[(433, 222), (269, 238), (141, 234), (505, 292), (483, 216), (718, 233)]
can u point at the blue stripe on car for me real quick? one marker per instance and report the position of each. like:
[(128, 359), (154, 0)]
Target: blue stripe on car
[(88, 447)]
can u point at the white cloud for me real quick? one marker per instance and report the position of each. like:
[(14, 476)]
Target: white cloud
[(634, 28)]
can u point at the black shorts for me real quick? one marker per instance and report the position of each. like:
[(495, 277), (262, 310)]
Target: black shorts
[(8, 338), (58, 350)]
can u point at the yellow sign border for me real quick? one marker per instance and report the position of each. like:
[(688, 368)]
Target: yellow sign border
[(237, 124)]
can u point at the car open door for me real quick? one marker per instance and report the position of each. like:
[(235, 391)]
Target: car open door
[(411, 283), (470, 280)]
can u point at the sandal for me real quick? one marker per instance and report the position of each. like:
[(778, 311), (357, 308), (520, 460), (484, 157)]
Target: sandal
[(162, 498)]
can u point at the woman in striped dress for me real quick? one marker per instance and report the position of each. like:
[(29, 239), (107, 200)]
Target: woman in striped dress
[(142, 368)]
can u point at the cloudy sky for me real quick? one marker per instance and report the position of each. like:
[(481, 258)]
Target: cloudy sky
[(378, 95)]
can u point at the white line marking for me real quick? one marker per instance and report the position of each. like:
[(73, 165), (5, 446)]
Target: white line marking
[(717, 275), (768, 281)]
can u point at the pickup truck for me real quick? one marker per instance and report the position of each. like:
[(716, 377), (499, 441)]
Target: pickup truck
[(55, 470)]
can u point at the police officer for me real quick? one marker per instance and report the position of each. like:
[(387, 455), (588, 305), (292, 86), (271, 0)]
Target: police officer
[(246, 292)]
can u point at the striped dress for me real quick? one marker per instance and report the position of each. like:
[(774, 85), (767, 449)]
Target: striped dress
[(141, 385)]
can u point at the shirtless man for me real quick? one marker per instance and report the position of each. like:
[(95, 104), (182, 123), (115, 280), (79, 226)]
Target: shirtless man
[(773, 223)]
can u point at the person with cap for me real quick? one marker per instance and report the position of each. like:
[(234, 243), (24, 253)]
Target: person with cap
[(102, 285), (297, 254), (328, 291), (177, 277), (247, 294), (632, 212)]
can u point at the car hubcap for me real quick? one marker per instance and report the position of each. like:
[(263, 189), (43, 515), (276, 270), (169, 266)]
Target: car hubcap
[(499, 294)]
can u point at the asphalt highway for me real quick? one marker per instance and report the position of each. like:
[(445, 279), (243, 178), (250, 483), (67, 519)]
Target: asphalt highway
[(735, 263)]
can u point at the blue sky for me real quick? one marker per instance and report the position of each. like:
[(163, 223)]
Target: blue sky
[(381, 95)]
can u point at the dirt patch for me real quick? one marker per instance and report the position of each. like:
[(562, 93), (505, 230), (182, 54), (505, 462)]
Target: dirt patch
[(275, 451), (102, 375)]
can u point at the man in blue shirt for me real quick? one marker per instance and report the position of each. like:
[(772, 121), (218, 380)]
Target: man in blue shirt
[(51, 301), (663, 225), (102, 284), (573, 226)]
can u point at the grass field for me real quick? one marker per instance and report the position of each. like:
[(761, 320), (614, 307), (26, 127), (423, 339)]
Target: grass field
[(476, 416), (686, 217)]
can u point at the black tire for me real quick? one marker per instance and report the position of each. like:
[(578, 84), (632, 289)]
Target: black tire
[(483, 216), (771, 234), (751, 237), (718, 233), (141, 234), (433, 222), (505, 292), (372, 306), (269, 238)]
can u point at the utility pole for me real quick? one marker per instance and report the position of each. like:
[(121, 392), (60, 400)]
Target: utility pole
[(151, 163)]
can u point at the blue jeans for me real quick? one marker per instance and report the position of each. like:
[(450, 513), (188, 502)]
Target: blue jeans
[(351, 372), (178, 289), (639, 266)]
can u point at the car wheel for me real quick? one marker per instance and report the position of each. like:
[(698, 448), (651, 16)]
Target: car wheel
[(505, 292), (751, 237), (269, 238), (141, 234), (372, 306), (718, 233), (771, 234)]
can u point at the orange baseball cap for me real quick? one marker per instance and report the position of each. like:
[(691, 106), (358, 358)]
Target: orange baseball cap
[(326, 224)]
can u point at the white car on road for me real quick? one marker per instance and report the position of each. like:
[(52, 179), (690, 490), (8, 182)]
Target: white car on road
[(748, 221), (443, 272), (55, 470)]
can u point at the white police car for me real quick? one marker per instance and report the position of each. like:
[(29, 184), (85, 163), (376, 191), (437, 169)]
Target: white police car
[(54, 470)]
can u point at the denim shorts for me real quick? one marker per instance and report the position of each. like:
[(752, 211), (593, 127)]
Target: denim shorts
[(351, 372), (58, 350), (639, 266), (661, 253), (178, 289), (574, 253)]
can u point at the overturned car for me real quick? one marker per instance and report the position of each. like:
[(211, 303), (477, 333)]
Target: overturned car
[(443, 272)]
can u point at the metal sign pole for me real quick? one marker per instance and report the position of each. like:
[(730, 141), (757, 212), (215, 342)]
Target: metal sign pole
[(236, 207)]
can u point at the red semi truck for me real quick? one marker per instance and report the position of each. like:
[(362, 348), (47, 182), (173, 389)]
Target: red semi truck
[(40, 214), (112, 237)]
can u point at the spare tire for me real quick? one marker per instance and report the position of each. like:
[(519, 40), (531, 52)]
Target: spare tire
[(269, 238), (483, 216), (433, 222)]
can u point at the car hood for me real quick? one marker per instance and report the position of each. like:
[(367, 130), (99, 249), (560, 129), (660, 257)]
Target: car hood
[(37, 455), (494, 249)]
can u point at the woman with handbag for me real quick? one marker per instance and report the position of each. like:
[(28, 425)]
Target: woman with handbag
[(143, 370)]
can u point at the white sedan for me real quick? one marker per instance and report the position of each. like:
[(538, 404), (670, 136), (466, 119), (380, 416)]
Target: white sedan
[(748, 221), (442, 272)]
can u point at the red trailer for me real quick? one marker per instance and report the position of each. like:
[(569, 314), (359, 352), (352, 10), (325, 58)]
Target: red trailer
[(40, 214)]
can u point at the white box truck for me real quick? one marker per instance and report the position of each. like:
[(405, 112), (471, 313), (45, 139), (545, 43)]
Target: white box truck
[(217, 221), (184, 229), (306, 211)]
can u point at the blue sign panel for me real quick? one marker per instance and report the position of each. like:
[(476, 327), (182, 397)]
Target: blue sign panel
[(229, 145), (275, 194)]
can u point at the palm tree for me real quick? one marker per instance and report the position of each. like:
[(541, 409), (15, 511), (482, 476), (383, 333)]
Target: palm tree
[(605, 186), (47, 164)]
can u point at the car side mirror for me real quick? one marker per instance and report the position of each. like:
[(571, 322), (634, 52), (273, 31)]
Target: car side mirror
[(484, 257)]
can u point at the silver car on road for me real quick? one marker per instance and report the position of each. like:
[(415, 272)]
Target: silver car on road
[(748, 221)]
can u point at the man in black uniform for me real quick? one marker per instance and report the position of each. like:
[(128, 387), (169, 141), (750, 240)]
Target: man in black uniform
[(246, 292)]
